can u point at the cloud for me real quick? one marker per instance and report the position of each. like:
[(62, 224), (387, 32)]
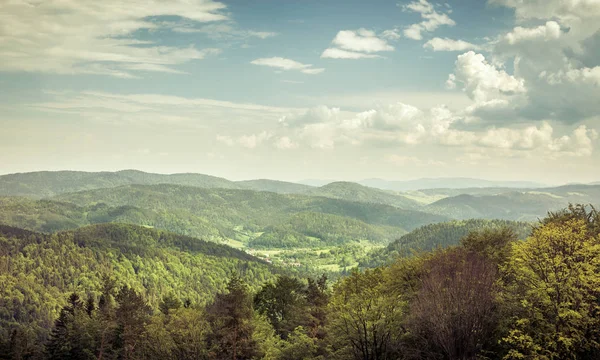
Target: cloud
[(218, 31), (482, 81), (318, 114), (445, 44), (579, 143), (359, 44), (554, 52), (68, 37), (431, 19), (548, 31), (333, 53), (287, 64), (391, 34), (361, 40), (581, 16), (401, 124)]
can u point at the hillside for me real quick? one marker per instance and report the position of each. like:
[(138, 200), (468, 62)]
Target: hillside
[(51, 216), (282, 187), (309, 229), (235, 213), (210, 214), (38, 271), (357, 192), (441, 235), (49, 183), (525, 206)]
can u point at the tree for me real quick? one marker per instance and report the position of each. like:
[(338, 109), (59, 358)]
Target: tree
[(317, 299), (364, 317), (169, 302), (70, 338), (231, 327), (492, 243), (132, 316), (553, 291), (454, 312), (284, 304)]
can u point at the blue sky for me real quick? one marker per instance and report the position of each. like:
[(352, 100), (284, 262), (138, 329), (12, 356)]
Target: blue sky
[(503, 89)]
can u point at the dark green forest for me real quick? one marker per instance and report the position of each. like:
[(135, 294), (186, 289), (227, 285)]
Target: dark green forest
[(126, 292)]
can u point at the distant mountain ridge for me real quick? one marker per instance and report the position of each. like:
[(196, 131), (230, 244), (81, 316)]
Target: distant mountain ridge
[(528, 205), (49, 183), (445, 183)]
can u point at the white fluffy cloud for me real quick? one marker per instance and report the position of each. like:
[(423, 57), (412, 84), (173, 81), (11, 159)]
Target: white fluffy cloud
[(482, 81), (405, 125), (549, 31), (287, 64), (554, 50), (581, 16), (361, 40), (432, 19), (359, 44), (445, 44), (75, 37)]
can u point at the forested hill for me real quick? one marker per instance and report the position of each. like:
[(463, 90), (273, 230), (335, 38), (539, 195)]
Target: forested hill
[(230, 209), (440, 235), (282, 187), (357, 192), (49, 183), (37, 271)]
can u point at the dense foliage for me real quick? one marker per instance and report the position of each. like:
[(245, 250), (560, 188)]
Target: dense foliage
[(308, 229), (37, 271), (490, 296), (218, 214), (440, 235)]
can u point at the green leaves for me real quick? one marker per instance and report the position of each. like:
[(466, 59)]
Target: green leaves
[(553, 289)]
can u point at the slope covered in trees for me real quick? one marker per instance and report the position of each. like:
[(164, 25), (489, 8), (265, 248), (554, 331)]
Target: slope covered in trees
[(440, 235), (229, 209), (50, 183), (505, 299), (356, 192), (309, 229), (37, 271)]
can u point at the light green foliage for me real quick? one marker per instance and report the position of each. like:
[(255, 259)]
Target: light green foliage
[(553, 288), (364, 317)]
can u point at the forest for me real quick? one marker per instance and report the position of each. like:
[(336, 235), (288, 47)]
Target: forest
[(491, 296)]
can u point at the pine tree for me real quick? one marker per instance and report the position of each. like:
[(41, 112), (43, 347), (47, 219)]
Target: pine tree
[(231, 320), (132, 315)]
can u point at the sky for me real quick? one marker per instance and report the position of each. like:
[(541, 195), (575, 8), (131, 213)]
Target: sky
[(291, 90)]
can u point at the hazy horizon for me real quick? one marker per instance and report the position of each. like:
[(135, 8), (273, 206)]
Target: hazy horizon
[(501, 90), (323, 181)]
